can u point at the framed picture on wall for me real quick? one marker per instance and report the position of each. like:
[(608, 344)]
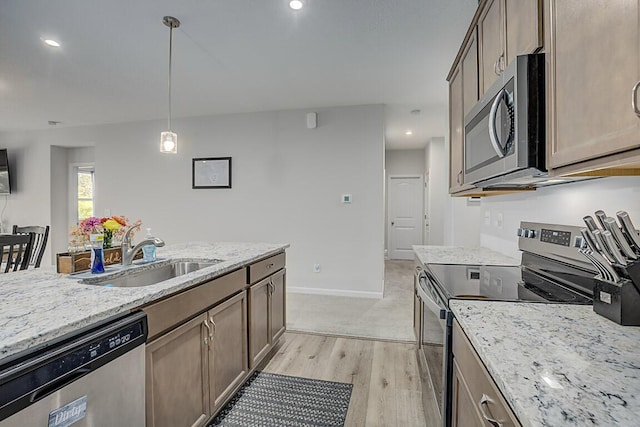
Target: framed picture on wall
[(211, 172)]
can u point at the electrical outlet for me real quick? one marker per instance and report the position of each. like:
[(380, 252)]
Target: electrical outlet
[(316, 268), (487, 218), (499, 219)]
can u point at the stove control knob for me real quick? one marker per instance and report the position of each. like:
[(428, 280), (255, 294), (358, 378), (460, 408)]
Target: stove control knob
[(520, 232), (531, 234), (579, 242)]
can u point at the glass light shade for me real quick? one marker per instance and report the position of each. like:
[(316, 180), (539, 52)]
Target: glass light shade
[(168, 142)]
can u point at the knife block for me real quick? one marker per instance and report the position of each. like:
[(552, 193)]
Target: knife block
[(619, 302)]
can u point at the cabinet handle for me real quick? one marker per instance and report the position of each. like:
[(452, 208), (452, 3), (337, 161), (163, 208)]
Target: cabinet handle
[(484, 401), (458, 180), (497, 66), (634, 99), (212, 331), (208, 336), (270, 265)]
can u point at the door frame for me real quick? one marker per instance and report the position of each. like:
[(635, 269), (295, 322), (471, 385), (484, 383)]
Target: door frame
[(420, 177)]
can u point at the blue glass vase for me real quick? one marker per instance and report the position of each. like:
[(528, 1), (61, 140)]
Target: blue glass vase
[(97, 253)]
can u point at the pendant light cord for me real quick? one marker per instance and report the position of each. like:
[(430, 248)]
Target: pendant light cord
[(170, 54)]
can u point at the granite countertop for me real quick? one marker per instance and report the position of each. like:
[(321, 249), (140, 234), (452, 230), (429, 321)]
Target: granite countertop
[(460, 255), (557, 365), (39, 305)]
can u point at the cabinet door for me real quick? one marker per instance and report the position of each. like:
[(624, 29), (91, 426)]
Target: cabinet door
[(278, 305), (491, 34), (594, 64), (455, 132), (469, 63), (177, 384), (228, 363), (463, 412), (259, 319), (523, 25)]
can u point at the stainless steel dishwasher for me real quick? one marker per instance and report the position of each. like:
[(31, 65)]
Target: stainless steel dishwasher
[(93, 378)]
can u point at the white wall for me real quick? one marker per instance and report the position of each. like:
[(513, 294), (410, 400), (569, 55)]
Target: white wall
[(400, 162), (438, 172), (560, 204), (287, 186)]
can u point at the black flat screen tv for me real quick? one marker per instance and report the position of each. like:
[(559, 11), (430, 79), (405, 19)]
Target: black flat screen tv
[(5, 182)]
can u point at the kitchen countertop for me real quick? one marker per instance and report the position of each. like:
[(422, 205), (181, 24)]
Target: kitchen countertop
[(557, 365), (40, 305), (460, 255)]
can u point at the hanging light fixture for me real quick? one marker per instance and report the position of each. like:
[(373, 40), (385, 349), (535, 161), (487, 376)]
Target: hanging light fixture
[(169, 139)]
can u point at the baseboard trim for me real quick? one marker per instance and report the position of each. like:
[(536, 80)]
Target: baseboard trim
[(335, 292)]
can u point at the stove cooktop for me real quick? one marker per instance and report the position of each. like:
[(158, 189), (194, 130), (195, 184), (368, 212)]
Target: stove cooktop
[(507, 283)]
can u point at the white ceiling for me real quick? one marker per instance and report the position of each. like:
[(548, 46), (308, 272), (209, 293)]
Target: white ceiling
[(230, 56)]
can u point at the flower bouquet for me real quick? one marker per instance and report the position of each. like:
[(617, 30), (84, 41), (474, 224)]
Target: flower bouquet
[(112, 228)]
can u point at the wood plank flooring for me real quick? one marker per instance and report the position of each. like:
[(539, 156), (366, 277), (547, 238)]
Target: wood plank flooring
[(387, 389)]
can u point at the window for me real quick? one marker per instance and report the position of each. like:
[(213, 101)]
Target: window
[(85, 180)]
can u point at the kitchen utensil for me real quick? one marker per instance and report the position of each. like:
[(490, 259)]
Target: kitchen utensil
[(591, 224), (604, 249), (626, 250), (613, 248), (600, 215), (589, 239), (607, 272), (629, 229)]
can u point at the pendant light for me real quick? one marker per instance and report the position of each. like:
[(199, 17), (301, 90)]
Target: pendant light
[(169, 139)]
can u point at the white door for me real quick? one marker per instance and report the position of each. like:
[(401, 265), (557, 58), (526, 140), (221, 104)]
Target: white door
[(404, 217)]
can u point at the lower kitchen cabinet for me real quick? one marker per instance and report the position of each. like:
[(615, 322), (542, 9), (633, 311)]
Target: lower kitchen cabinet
[(267, 315), (194, 369), (476, 400), (177, 371), (228, 361)]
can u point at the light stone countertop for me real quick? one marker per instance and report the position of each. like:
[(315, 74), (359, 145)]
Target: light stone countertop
[(39, 305), (557, 365), (461, 255)]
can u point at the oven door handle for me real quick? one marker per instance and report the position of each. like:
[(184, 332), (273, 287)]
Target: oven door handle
[(433, 306)]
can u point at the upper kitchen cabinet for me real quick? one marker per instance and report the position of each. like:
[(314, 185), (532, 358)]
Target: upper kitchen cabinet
[(506, 29), (463, 95), (594, 71)]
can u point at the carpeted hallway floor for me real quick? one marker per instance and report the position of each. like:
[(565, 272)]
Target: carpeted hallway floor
[(389, 318)]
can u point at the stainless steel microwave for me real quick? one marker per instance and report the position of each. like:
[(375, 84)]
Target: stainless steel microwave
[(504, 142)]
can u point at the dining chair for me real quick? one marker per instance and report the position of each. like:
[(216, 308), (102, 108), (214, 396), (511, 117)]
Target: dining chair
[(15, 251), (39, 243)]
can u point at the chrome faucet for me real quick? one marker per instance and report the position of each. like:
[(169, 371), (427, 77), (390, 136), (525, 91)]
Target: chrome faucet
[(129, 252)]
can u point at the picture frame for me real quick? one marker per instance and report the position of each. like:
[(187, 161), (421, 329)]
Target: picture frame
[(211, 172)]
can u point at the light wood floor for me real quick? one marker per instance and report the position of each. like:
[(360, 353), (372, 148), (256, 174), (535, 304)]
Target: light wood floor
[(387, 388)]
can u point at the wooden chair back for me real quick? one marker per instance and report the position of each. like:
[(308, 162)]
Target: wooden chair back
[(15, 251), (40, 235)]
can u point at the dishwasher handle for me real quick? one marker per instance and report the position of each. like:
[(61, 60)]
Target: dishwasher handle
[(57, 384)]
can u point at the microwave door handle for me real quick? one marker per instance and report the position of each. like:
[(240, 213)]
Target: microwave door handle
[(493, 134)]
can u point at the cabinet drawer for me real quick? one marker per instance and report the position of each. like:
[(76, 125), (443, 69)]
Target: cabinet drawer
[(261, 269), (181, 307), (480, 383)]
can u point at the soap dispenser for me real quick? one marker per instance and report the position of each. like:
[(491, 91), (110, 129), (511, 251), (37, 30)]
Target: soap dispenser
[(148, 251)]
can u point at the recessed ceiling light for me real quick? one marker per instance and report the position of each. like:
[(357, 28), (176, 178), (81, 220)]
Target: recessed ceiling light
[(295, 4), (51, 42), (408, 132), (415, 112)]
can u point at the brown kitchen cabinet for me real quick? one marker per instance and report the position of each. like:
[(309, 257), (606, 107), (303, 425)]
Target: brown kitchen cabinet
[(267, 315), (476, 400), (228, 350), (463, 95), (593, 64), (177, 371), (506, 29)]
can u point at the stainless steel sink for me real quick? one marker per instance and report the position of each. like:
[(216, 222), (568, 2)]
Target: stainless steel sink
[(151, 274)]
